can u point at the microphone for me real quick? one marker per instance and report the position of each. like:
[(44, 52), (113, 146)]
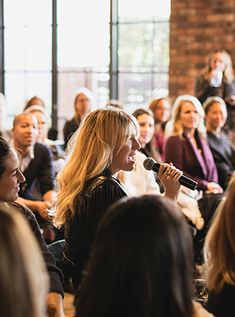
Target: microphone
[(151, 164)]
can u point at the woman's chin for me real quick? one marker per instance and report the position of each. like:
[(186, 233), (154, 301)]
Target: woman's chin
[(130, 166)]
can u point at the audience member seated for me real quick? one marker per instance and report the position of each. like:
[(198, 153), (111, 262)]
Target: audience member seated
[(35, 163), (87, 184), (23, 276), (220, 254), (82, 106), (56, 147), (187, 147), (161, 109), (52, 133), (217, 80), (39, 111), (10, 180), (141, 263), (141, 181), (222, 149), (145, 120)]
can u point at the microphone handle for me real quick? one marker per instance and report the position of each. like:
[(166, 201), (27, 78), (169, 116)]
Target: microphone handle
[(184, 180)]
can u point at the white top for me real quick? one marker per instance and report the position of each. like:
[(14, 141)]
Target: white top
[(141, 182)]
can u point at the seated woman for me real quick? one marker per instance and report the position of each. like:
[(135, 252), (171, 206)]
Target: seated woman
[(105, 144), (222, 149), (10, 180), (144, 182), (82, 106), (141, 181), (161, 109), (187, 147), (23, 277), (141, 263), (220, 254), (36, 106)]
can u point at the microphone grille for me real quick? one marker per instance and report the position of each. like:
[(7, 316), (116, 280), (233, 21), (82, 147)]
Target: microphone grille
[(148, 163)]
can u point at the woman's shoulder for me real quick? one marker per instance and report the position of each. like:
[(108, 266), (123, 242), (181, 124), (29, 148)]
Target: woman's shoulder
[(175, 139), (105, 184)]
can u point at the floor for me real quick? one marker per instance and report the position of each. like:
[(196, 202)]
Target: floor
[(69, 309)]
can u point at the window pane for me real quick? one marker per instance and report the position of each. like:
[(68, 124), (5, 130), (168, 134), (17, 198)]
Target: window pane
[(147, 10), (160, 85), (135, 47), (83, 52), (68, 84), (135, 90), (83, 33), (27, 12), (19, 87), (33, 47), (143, 52), (161, 47)]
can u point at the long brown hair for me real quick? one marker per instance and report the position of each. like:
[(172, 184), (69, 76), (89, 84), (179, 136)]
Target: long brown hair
[(220, 244)]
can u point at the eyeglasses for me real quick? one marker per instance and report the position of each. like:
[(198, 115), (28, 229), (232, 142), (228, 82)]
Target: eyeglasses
[(83, 100)]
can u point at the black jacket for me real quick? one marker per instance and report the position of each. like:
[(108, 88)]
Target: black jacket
[(40, 170), (69, 128), (223, 152)]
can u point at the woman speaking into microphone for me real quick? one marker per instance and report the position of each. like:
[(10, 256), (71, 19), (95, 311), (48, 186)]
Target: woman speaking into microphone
[(106, 143)]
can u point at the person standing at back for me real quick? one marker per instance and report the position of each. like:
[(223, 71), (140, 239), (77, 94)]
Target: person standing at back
[(217, 79)]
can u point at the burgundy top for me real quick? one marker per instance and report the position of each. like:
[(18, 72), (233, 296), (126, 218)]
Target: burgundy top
[(195, 163)]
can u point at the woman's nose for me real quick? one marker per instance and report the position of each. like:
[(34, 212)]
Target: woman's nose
[(136, 145), (21, 178)]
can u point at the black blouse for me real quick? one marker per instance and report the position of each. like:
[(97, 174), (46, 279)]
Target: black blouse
[(98, 195)]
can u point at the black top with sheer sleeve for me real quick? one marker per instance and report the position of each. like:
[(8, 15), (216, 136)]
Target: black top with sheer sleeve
[(98, 195)]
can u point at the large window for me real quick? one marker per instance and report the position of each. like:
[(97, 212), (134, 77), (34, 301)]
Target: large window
[(27, 52), (117, 48), (83, 52), (143, 50)]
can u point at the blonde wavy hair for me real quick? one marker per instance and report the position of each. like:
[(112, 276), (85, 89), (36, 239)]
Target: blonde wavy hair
[(23, 276), (103, 133), (174, 126), (219, 247)]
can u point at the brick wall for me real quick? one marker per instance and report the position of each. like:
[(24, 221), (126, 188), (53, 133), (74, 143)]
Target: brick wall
[(197, 28)]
